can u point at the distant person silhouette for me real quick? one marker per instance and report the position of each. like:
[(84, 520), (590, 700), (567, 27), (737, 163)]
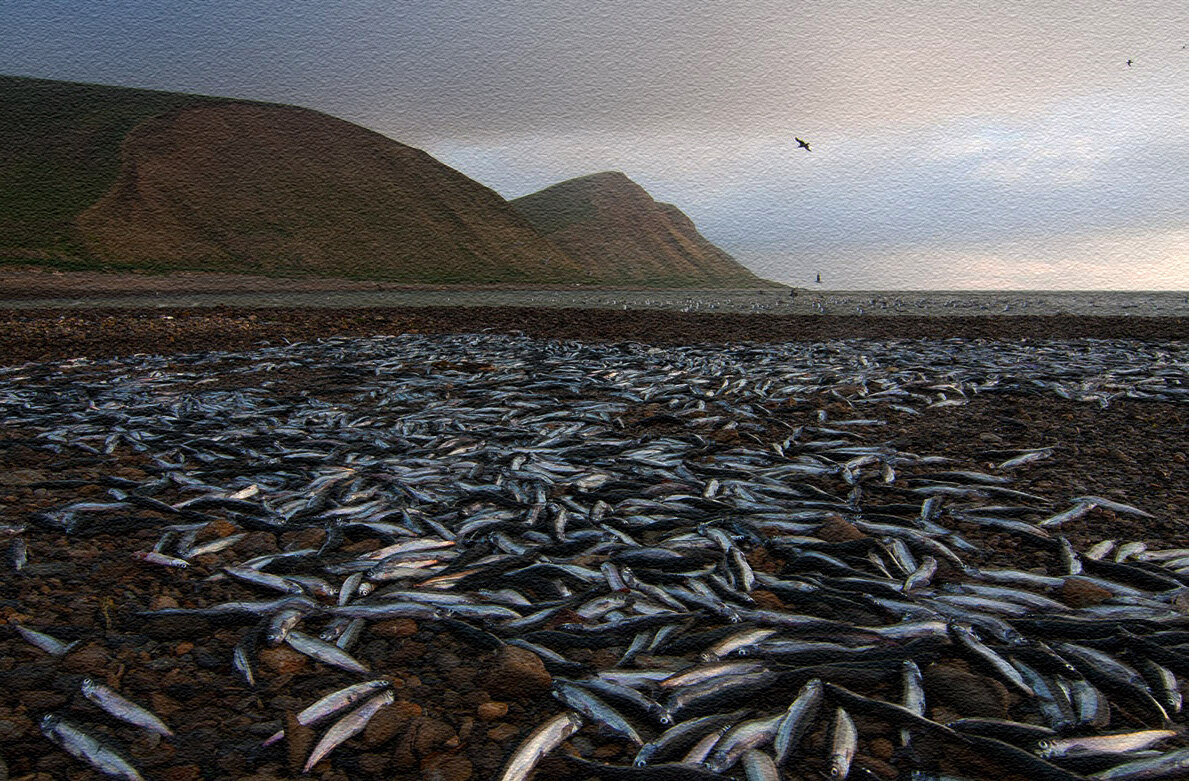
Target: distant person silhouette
[(803, 145)]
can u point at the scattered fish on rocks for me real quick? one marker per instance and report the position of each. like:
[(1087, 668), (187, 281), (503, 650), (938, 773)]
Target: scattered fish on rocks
[(742, 593)]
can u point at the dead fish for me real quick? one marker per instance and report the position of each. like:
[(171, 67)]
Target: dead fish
[(123, 709), (349, 725), (78, 743), (18, 553), (51, 645), (540, 742), (324, 652)]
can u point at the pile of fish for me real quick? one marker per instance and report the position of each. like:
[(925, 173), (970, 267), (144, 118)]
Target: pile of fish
[(772, 588)]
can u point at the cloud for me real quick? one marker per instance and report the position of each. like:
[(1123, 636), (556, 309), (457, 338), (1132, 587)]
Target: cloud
[(935, 127)]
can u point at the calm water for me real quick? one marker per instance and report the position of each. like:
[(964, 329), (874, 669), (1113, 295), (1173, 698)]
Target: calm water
[(935, 303)]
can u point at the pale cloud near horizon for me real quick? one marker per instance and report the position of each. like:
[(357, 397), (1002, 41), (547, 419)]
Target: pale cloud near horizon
[(956, 143)]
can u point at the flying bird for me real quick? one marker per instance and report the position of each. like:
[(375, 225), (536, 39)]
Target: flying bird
[(803, 145), (1129, 63)]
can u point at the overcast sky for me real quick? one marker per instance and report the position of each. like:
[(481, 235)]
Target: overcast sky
[(956, 145)]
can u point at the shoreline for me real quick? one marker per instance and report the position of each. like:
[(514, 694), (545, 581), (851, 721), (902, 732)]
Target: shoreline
[(95, 333)]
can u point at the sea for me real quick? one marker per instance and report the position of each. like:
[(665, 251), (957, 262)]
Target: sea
[(934, 303)]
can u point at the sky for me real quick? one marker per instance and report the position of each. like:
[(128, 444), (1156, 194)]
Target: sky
[(955, 144)]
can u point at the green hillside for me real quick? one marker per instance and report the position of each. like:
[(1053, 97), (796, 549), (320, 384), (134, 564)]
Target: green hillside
[(59, 152)]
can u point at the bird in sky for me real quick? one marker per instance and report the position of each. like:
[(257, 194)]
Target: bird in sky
[(803, 145), (1129, 63)]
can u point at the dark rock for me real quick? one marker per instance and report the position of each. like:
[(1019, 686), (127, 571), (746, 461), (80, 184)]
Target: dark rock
[(516, 672), (967, 693)]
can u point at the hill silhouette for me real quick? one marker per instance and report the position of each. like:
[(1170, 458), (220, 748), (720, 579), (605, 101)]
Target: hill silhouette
[(94, 176), (615, 231)]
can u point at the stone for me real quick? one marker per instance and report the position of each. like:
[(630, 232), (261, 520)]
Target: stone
[(373, 764), (389, 721), (174, 628), (406, 651), (89, 660), (967, 693), (766, 600), (517, 672), (502, 731), (1079, 592), (21, 476), (490, 711), (220, 527), (42, 700), (283, 659), (836, 529), (181, 773), (163, 705), (163, 601), (881, 748), (299, 740), (446, 767), (394, 627), (421, 737)]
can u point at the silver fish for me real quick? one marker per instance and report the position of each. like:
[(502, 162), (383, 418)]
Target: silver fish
[(540, 742), (79, 744), (351, 724), (123, 709), (51, 645), (324, 652), (332, 703), (843, 745)]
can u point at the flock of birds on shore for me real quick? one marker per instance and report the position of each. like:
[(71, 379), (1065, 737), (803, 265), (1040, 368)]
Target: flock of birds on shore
[(512, 505)]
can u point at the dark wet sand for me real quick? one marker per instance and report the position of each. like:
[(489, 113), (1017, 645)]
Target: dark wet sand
[(52, 334)]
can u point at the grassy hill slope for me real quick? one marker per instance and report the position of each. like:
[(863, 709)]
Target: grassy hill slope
[(59, 152)]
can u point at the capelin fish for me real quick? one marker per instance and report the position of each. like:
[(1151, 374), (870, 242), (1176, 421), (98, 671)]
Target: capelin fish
[(914, 695), (1118, 507), (683, 736), (349, 725), (1129, 550), (1026, 458), (160, 559), (843, 745), (758, 766), (332, 703), (214, 546), (921, 576), (540, 742), (1173, 764), (989, 658), (18, 553), (281, 623), (123, 709), (796, 722), (1119, 743), (324, 652), (51, 645), (1079, 510), (264, 579), (79, 744), (596, 710), (740, 738), (1100, 550), (703, 672)]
